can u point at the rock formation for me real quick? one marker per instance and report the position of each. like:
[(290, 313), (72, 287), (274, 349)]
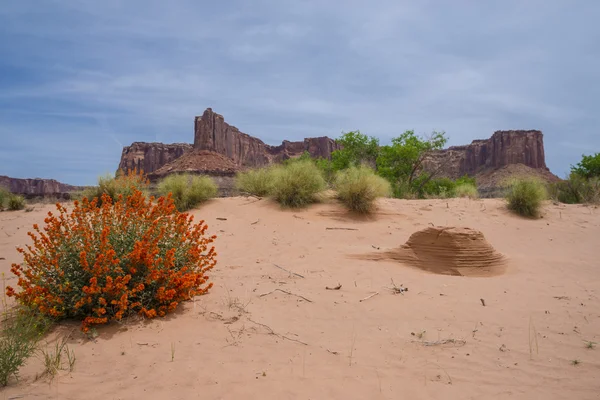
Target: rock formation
[(37, 187), (149, 157), (503, 148), (213, 134), (446, 250)]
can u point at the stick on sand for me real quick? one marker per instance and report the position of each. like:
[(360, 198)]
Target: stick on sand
[(368, 297), (289, 272)]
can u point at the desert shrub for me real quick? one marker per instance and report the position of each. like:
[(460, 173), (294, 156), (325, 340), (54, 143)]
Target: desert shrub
[(15, 202), (466, 190), (99, 264), (297, 184), (525, 196), (257, 182), (436, 188), (123, 184), (576, 189), (4, 195), (188, 190), (19, 336), (358, 188)]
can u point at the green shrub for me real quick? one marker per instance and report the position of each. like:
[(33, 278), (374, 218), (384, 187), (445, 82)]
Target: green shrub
[(122, 184), (257, 182), (437, 188), (525, 196), (15, 202), (358, 188), (297, 184), (4, 195), (466, 190), (576, 189), (19, 336), (188, 190)]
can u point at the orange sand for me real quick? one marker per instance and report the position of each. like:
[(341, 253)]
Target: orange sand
[(235, 343)]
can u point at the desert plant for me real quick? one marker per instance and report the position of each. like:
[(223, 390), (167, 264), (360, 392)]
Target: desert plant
[(358, 188), (297, 184), (98, 264), (53, 359), (257, 182), (466, 190), (19, 336), (124, 184), (4, 195), (188, 190), (15, 202), (576, 189), (525, 196)]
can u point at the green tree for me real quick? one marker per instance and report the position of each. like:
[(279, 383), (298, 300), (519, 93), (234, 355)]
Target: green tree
[(588, 167), (357, 148), (402, 161)]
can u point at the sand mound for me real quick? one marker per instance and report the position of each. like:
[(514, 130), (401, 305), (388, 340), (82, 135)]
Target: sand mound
[(450, 251), (198, 162)]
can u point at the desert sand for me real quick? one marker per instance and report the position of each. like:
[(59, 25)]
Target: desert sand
[(246, 339)]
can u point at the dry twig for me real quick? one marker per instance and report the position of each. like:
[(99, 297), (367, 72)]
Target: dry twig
[(289, 272), (458, 342), (368, 297), (341, 229), (286, 292), (271, 332)]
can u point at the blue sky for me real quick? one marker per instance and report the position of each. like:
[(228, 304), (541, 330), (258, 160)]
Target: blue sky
[(79, 79)]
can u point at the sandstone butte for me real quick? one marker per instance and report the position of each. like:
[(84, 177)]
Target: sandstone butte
[(221, 149), (510, 152)]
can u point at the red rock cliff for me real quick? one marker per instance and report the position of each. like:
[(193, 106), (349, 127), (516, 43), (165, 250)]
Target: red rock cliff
[(36, 187), (149, 157), (503, 148), (212, 133)]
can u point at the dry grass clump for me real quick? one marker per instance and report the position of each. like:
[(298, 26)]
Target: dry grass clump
[(466, 190), (121, 185), (358, 188), (11, 201), (297, 184), (525, 196), (19, 336), (187, 190), (257, 182)]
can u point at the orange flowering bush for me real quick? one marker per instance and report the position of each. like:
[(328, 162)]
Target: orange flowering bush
[(102, 263)]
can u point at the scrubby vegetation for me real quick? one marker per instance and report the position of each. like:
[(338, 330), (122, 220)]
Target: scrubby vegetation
[(102, 263), (121, 185), (15, 202), (358, 188), (257, 182), (297, 184), (187, 190), (466, 190), (10, 201), (582, 185), (525, 196), (19, 336)]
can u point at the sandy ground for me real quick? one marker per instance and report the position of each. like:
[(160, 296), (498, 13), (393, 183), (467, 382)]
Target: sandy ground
[(236, 342)]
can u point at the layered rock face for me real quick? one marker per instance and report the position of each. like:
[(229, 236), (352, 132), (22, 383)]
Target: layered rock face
[(503, 148), (212, 133), (149, 157), (37, 187)]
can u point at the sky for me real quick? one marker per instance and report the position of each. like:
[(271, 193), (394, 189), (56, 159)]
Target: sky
[(80, 79)]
